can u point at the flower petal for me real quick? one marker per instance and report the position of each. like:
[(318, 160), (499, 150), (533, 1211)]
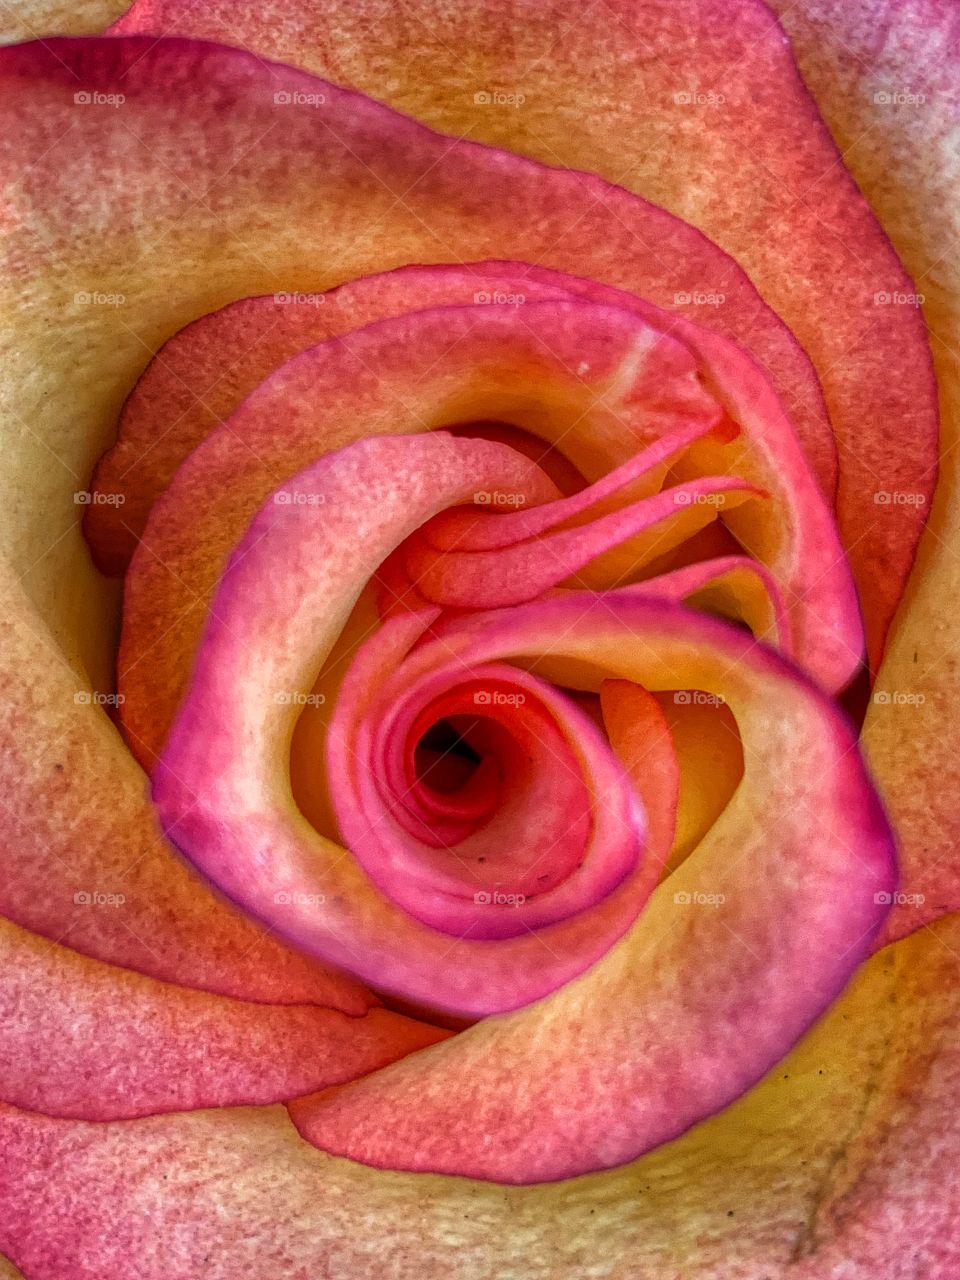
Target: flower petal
[(84, 1039), (577, 374), (886, 78), (201, 375)]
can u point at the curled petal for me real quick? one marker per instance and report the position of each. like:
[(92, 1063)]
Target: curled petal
[(640, 737), (731, 961), (553, 779), (574, 373), (224, 797)]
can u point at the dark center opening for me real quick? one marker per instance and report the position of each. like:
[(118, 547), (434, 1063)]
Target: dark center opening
[(444, 759)]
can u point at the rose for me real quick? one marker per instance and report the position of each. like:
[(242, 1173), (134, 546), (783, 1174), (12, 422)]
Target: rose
[(93, 1170)]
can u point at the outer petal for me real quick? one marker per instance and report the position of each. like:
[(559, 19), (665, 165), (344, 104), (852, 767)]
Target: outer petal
[(76, 821), (32, 19), (80, 1038), (905, 152), (230, 1192)]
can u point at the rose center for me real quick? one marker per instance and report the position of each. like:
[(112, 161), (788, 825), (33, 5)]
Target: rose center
[(444, 758)]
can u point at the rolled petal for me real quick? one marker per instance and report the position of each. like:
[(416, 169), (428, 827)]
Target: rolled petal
[(204, 372), (224, 797), (640, 737), (597, 380), (555, 830), (735, 955)]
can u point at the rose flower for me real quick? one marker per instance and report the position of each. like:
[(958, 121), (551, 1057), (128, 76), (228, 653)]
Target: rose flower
[(478, 554)]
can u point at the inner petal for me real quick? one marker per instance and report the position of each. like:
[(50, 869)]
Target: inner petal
[(535, 820)]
